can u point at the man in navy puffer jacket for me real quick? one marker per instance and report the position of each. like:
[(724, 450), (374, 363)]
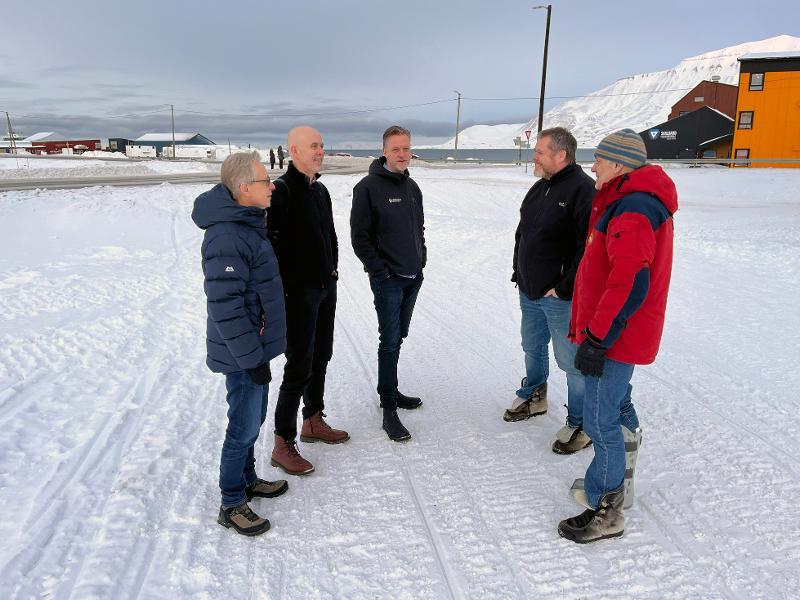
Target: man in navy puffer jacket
[(246, 325)]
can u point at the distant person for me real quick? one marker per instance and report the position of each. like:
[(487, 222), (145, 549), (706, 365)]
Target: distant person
[(271, 158), (388, 236), (246, 325), (549, 244), (300, 224), (280, 156), (617, 318)]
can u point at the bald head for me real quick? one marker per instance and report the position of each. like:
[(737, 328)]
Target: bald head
[(306, 149)]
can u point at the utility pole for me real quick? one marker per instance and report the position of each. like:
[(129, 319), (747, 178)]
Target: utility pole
[(11, 135), (172, 110), (549, 8), (458, 118)]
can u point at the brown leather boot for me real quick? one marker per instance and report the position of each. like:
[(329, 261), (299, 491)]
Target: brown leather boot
[(315, 429), (285, 456)]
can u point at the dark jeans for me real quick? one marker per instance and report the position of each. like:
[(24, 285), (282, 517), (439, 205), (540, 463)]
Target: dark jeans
[(247, 409), (310, 315), (394, 302)]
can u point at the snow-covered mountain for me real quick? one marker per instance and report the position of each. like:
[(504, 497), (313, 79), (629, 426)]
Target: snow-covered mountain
[(638, 102)]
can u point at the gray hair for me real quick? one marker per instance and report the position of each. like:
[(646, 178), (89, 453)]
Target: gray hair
[(395, 130), (238, 169), (561, 139)]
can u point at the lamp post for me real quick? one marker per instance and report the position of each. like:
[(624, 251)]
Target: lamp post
[(458, 118), (549, 8)]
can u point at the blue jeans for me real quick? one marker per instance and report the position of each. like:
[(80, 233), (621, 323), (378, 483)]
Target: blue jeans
[(394, 302), (247, 409), (606, 407), (544, 319)]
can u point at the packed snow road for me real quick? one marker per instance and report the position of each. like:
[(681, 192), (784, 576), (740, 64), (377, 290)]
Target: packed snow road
[(112, 425)]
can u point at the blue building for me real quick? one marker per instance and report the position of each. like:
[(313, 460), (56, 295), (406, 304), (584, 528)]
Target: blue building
[(161, 140)]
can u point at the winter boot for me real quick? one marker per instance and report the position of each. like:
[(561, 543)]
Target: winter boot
[(266, 489), (242, 519), (407, 402), (525, 408), (570, 440), (393, 427), (633, 439), (285, 456), (592, 525), (315, 429)]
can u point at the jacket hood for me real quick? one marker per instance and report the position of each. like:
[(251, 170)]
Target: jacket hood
[(218, 206), (650, 179), (377, 168)]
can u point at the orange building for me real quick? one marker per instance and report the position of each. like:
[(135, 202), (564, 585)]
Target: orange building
[(768, 109)]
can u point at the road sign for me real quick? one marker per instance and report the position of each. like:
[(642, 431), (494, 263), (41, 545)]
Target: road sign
[(528, 134)]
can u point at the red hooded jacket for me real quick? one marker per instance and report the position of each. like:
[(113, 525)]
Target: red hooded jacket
[(622, 281)]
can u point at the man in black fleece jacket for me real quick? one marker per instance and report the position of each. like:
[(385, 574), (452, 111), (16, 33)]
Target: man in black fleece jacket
[(549, 245), (300, 227), (387, 231)]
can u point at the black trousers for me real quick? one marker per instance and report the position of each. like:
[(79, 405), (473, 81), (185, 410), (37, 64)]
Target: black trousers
[(310, 315)]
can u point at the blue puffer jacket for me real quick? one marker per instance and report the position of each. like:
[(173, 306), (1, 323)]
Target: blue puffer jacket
[(246, 318)]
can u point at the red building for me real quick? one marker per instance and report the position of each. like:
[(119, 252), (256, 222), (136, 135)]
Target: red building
[(714, 94), (49, 142)]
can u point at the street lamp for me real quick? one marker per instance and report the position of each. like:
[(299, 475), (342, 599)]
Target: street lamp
[(549, 8), (458, 117)]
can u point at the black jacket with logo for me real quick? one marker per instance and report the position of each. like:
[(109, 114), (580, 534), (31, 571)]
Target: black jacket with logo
[(387, 225), (551, 234), (300, 227)]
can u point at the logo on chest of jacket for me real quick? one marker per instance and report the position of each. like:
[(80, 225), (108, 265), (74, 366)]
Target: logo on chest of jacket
[(562, 204), (229, 269), (395, 200)]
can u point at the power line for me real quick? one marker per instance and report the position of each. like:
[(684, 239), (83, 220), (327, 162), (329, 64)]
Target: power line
[(314, 114)]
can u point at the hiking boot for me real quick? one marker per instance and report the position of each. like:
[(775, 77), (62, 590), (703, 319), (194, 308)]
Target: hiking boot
[(633, 440), (525, 408), (315, 429), (592, 525), (570, 440), (407, 402), (393, 427), (285, 456), (266, 489), (242, 519)]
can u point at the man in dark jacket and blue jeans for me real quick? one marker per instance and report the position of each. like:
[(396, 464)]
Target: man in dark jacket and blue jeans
[(387, 231), (300, 224), (549, 245), (246, 325)]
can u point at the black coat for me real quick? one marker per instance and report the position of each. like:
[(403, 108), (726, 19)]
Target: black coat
[(387, 225), (551, 234), (300, 227)]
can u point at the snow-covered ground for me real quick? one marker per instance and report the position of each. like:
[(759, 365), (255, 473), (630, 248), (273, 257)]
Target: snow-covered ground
[(34, 168), (112, 425)]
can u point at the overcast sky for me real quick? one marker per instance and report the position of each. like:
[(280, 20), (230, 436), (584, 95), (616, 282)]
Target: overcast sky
[(101, 68)]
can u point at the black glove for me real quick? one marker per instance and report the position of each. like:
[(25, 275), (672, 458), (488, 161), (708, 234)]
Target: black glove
[(261, 375), (591, 357)]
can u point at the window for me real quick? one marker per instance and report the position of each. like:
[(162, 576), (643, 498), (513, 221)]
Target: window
[(756, 82), (746, 119), (699, 98), (742, 153)]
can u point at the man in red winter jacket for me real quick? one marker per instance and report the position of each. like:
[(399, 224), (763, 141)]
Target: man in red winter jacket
[(618, 311)]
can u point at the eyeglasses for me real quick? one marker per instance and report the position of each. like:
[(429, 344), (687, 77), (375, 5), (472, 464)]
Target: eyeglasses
[(267, 181)]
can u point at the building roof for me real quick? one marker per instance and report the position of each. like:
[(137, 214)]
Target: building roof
[(166, 137), (45, 136), (771, 55)]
